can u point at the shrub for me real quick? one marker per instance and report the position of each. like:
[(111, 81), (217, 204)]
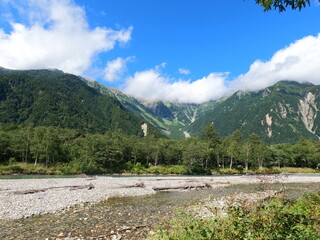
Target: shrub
[(274, 219), (178, 169), (138, 168)]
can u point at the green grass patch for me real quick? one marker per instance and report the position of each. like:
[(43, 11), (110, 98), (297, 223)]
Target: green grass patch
[(297, 170), (235, 171), (28, 169)]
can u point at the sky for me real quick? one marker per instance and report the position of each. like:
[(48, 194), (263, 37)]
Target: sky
[(187, 51)]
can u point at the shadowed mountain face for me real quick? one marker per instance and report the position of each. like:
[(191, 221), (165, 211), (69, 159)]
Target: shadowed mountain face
[(53, 98), (281, 113)]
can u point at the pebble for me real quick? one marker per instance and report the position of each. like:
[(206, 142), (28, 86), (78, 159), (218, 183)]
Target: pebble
[(60, 235), (58, 196), (13, 204)]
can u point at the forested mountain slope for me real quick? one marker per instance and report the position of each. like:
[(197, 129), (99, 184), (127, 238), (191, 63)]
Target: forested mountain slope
[(280, 113), (53, 98), (171, 118), (283, 112)]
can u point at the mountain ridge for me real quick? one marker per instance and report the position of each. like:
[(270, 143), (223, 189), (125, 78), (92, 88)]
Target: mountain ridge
[(280, 113), (54, 98), (283, 112)]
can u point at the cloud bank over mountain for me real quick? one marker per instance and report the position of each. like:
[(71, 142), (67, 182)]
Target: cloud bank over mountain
[(152, 85), (300, 61)]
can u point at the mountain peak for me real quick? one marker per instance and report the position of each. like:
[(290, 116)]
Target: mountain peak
[(294, 83)]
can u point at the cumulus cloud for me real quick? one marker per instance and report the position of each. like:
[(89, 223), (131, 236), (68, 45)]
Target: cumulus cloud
[(152, 85), (54, 34), (184, 71), (300, 62), (114, 69)]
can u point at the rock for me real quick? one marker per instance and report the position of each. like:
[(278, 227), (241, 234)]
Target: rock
[(115, 237), (60, 235)]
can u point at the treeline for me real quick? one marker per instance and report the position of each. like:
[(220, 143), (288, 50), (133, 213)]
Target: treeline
[(116, 152)]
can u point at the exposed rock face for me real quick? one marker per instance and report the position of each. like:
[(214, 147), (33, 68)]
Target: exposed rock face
[(240, 93), (269, 124), (283, 110), (144, 127), (266, 92), (186, 134), (308, 110)]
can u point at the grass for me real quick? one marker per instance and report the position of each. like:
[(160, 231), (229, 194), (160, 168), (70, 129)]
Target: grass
[(66, 169), (297, 170), (273, 170), (234, 171), (277, 218), (28, 169)]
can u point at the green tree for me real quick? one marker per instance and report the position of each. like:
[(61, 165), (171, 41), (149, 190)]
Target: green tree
[(280, 154), (234, 147), (210, 134), (169, 152), (20, 142), (83, 153), (282, 5), (249, 150), (5, 151), (195, 152), (305, 153)]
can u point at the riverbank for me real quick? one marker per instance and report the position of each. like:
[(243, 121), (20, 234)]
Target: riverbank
[(26, 197), (39, 169)]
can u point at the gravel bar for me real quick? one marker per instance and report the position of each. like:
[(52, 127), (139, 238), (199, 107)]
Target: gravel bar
[(21, 198)]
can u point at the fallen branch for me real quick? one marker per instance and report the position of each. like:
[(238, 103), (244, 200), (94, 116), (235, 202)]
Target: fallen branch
[(137, 185)]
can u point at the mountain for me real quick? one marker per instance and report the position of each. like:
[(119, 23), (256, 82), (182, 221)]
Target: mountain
[(281, 113), (170, 118), (53, 98)]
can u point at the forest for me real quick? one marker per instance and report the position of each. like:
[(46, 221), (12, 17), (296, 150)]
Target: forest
[(30, 150)]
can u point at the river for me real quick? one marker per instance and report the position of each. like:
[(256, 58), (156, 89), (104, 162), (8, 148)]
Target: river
[(130, 217)]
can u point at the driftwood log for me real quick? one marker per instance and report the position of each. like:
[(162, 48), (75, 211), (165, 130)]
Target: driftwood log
[(74, 187), (140, 185), (205, 186)]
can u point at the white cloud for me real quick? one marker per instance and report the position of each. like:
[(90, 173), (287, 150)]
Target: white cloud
[(184, 71), (300, 62), (152, 85), (114, 69), (55, 34)]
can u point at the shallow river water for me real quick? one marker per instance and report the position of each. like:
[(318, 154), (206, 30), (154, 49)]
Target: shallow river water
[(128, 217)]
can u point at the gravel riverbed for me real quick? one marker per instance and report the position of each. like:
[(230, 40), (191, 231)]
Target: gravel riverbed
[(21, 198)]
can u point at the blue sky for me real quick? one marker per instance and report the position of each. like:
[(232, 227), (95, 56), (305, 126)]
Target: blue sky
[(181, 50)]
